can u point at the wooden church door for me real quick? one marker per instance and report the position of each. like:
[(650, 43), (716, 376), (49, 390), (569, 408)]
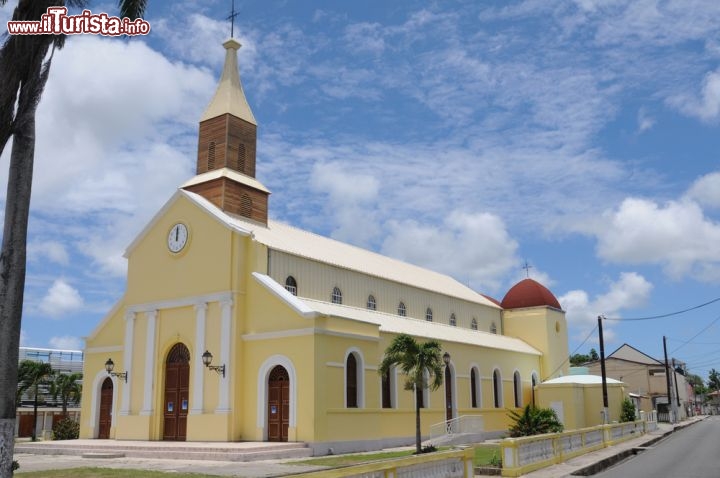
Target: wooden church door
[(278, 404), (106, 397), (177, 378)]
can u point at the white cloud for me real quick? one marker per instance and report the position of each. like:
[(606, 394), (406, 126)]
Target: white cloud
[(23, 338), (676, 235), (707, 106), (706, 190), (53, 251), (630, 291), (61, 299), (645, 122), (473, 248), (351, 197), (66, 342)]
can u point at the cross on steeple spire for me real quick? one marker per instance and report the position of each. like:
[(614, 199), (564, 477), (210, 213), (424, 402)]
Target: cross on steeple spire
[(527, 268), (231, 17)]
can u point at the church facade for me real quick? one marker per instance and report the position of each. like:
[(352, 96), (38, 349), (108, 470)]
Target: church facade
[(294, 324)]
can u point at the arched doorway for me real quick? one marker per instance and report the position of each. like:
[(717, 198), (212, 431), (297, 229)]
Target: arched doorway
[(177, 378), (448, 394), (106, 399), (278, 410)]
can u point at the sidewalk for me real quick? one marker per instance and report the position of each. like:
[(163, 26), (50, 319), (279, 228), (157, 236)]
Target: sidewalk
[(597, 461)]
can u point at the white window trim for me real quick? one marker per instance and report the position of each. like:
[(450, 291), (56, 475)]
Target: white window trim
[(517, 389), (478, 385), (95, 404), (262, 391), (360, 367), (501, 398)]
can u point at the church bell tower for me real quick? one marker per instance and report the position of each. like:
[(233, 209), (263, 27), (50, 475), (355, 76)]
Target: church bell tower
[(227, 142)]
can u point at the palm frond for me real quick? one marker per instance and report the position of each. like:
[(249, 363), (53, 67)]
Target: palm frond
[(132, 8)]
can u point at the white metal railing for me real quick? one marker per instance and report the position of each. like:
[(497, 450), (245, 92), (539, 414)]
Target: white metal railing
[(521, 455), (461, 424)]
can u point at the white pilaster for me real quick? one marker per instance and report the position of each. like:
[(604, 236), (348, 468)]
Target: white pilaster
[(127, 362), (225, 331), (147, 409), (198, 367)]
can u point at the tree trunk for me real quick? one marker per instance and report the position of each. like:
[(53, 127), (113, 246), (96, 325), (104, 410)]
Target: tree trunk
[(418, 442), (35, 405), (13, 253)]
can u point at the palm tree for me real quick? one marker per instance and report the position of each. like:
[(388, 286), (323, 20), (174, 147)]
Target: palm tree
[(24, 69), (535, 421), (68, 387), (31, 375), (421, 363)]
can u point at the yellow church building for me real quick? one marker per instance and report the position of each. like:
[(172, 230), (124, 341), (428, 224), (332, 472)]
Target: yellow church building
[(294, 324)]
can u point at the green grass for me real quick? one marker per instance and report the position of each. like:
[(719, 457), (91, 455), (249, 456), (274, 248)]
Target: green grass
[(107, 473), (484, 454)]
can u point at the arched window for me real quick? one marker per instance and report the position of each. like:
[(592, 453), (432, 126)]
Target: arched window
[(474, 388), (245, 206), (497, 388), (453, 320), (336, 296), (493, 328), (291, 285), (211, 155), (371, 304), (351, 382), (388, 388), (428, 314), (473, 324), (241, 158), (517, 388), (402, 311), (534, 379)]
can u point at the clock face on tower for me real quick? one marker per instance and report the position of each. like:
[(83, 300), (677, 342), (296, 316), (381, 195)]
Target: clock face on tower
[(177, 238)]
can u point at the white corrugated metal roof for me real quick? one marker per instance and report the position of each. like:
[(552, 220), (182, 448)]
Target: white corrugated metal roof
[(395, 324), (581, 379), (421, 328), (226, 173), (285, 238)]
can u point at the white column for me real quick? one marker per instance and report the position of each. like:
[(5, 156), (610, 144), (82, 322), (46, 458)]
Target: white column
[(127, 362), (225, 330), (198, 366), (147, 409)]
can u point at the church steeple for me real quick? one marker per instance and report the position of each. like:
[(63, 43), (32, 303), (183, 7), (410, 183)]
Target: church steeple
[(229, 96), (227, 143)]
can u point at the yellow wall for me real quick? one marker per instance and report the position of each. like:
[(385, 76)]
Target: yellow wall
[(217, 264), (545, 329), (582, 403)]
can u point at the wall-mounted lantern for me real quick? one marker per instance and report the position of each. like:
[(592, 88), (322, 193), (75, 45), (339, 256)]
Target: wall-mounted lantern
[(110, 365), (207, 360)]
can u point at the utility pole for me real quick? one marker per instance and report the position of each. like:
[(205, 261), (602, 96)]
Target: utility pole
[(677, 392), (669, 386), (606, 418)]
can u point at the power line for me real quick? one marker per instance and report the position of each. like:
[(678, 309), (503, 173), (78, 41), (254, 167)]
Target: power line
[(573, 353), (695, 336), (662, 316)]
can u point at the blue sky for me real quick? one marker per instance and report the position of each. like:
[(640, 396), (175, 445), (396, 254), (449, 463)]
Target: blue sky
[(581, 136)]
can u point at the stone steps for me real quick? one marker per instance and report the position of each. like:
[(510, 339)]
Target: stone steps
[(171, 452)]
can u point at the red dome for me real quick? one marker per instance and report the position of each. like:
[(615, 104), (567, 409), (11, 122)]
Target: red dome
[(529, 293)]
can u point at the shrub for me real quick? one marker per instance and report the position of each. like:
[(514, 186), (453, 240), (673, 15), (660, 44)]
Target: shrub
[(15, 465), (534, 421), (627, 411), (66, 429)]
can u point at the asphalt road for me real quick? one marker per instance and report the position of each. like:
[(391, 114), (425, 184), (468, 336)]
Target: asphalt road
[(693, 452)]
